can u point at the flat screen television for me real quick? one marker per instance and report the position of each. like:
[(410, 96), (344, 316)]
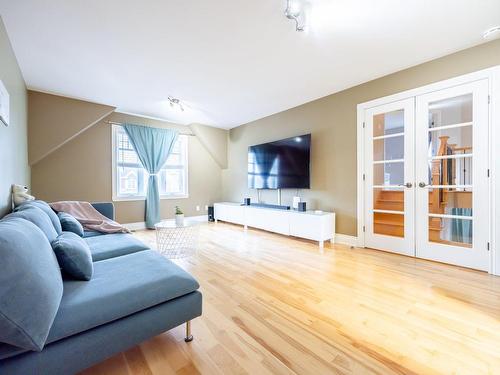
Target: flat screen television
[(282, 164)]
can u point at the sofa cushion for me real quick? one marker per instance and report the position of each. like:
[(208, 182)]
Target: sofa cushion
[(113, 245), (73, 255), (30, 284), (45, 208), (37, 217), (119, 287), (91, 233), (70, 224)]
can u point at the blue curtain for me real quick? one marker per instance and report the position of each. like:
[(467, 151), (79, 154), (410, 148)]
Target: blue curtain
[(461, 230), (153, 146)]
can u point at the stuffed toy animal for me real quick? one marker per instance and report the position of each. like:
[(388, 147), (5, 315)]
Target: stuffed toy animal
[(20, 195)]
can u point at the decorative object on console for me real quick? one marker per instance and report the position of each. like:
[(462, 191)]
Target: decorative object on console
[(295, 203), (211, 217), (246, 201), (20, 195), (4, 105), (179, 216), (302, 206)]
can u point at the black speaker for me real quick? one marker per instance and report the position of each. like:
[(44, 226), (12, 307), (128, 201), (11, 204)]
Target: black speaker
[(246, 202), (211, 213), (302, 206)]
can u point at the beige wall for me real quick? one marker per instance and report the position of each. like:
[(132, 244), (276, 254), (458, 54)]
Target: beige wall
[(54, 120), (14, 167), (332, 122), (81, 170), (214, 140)]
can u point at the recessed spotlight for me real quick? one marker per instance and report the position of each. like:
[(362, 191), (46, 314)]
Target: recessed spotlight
[(492, 33)]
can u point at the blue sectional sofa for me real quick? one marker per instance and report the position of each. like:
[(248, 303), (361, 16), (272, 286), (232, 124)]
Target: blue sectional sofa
[(133, 294)]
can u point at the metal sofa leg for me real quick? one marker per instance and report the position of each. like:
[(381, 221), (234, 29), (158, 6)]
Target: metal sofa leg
[(189, 336)]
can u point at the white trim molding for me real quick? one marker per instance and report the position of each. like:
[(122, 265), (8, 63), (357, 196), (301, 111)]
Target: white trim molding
[(344, 239)]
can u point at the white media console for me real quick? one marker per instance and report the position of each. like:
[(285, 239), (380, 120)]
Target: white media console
[(310, 225)]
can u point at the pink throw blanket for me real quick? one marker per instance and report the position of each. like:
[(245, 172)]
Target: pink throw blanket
[(89, 217)]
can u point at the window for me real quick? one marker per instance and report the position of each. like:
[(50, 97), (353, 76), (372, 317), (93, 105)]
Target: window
[(131, 179)]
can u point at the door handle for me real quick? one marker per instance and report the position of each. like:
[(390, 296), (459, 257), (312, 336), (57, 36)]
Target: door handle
[(422, 184), (408, 185)]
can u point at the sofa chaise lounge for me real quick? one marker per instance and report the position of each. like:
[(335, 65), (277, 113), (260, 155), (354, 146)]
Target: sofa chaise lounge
[(134, 294)]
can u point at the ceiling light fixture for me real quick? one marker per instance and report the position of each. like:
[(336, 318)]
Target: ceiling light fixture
[(492, 33), (174, 102), (295, 10)]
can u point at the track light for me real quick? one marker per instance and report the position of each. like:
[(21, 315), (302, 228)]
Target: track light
[(174, 102), (295, 10)]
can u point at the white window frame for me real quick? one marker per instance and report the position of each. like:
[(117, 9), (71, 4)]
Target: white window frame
[(115, 129)]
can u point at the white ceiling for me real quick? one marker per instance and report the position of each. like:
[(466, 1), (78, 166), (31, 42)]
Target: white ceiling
[(230, 61)]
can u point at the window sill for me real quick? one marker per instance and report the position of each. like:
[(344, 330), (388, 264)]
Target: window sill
[(164, 197)]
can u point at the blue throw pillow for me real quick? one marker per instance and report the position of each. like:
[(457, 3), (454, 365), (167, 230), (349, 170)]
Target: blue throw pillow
[(37, 217), (73, 255), (44, 206), (30, 284), (70, 224)]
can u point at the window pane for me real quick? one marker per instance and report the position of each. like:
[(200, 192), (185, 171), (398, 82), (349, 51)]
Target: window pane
[(174, 159), (177, 146), (388, 123), (450, 111), (389, 199), (389, 148), (389, 224), (127, 156), (454, 141), (130, 181), (174, 181), (451, 231), (388, 174)]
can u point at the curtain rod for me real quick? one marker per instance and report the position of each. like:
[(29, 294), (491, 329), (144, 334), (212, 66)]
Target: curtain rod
[(121, 123)]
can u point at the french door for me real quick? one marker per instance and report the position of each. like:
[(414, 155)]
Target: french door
[(426, 180), (452, 174), (389, 176)]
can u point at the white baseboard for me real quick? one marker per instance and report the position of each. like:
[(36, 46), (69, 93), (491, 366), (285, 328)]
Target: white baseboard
[(141, 225), (345, 239)]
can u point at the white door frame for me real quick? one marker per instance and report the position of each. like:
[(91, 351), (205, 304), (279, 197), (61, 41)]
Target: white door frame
[(493, 76)]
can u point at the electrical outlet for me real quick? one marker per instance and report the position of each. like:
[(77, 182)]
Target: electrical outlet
[(206, 207), (197, 208)]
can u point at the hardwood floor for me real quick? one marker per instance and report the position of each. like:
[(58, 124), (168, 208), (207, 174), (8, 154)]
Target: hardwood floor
[(274, 305)]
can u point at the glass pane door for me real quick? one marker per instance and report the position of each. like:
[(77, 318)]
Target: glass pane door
[(451, 157), (389, 178)]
